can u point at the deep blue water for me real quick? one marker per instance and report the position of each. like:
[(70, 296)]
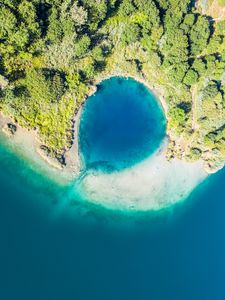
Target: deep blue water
[(52, 247), (121, 125), (80, 252)]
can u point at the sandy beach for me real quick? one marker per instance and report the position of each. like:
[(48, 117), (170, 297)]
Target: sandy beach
[(153, 184), (29, 142), (28, 145)]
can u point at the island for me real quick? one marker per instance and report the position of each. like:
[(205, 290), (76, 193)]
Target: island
[(54, 53)]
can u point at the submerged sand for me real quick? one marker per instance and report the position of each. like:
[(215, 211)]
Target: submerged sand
[(153, 184), (27, 145)]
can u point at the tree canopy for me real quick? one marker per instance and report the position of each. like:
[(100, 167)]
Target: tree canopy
[(52, 51)]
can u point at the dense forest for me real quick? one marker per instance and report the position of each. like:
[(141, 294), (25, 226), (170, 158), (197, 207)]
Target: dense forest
[(52, 52)]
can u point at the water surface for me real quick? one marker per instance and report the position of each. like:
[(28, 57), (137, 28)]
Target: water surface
[(54, 245), (74, 251), (121, 125)]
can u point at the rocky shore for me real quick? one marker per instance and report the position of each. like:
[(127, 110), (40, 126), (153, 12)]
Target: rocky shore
[(28, 144), (69, 162)]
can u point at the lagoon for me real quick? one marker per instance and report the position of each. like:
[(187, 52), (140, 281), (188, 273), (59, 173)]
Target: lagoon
[(57, 243), (123, 145), (121, 124)]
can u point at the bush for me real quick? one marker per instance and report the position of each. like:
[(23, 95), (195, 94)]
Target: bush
[(195, 153)]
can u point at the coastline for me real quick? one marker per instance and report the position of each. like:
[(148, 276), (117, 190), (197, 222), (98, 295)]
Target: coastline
[(154, 187), (152, 88), (24, 137), (28, 145), (145, 186)]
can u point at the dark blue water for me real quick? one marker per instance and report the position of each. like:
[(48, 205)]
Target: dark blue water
[(53, 246), (121, 125), (80, 252)]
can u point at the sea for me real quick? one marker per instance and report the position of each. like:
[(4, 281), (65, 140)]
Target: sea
[(54, 246)]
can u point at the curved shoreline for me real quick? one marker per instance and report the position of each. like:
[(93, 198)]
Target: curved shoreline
[(150, 177), (72, 156), (26, 144), (153, 184), (158, 94)]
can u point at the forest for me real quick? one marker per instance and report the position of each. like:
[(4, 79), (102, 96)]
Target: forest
[(52, 52)]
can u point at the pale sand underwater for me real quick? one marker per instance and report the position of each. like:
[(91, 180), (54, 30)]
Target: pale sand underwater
[(154, 184)]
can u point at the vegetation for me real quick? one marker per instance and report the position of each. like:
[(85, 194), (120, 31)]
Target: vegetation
[(221, 2), (53, 51)]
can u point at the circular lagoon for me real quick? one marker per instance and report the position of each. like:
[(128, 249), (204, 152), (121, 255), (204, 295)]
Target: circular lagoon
[(121, 125), (123, 144)]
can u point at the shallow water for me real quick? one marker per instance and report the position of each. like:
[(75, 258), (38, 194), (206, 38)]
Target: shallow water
[(123, 144), (55, 245), (53, 248)]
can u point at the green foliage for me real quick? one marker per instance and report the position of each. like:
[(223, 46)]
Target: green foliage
[(191, 77), (38, 86), (20, 38), (177, 116), (126, 8), (7, 22), (51, 52), (195, 153), (210, 91), (55, 31), (199, 35), (221, 2), (73, 81), (82, 46), (177, 73), (130, 34), (175, 47), (221, 27), (199, 66), (28, 15)]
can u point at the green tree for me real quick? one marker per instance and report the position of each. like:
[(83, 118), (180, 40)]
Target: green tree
[(177, 116), (175, 47), (82, 46), (195, 153), (20, 38), (28, 14), (191, 77), (177, 72), (210, 91), (37, 86), (126, 8), (55, 31), (8, 23), (200, 66), (199, 35), (130, 34), (57, 87)]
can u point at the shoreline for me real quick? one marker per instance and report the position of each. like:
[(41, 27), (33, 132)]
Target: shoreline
[(154, 188), (23, 136), (147, 186), (152, 89), (73, 157), (28, 145)]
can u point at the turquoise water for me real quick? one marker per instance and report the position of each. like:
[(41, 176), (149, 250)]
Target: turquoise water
[(53, 245), (75, 251), (121, 125)]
